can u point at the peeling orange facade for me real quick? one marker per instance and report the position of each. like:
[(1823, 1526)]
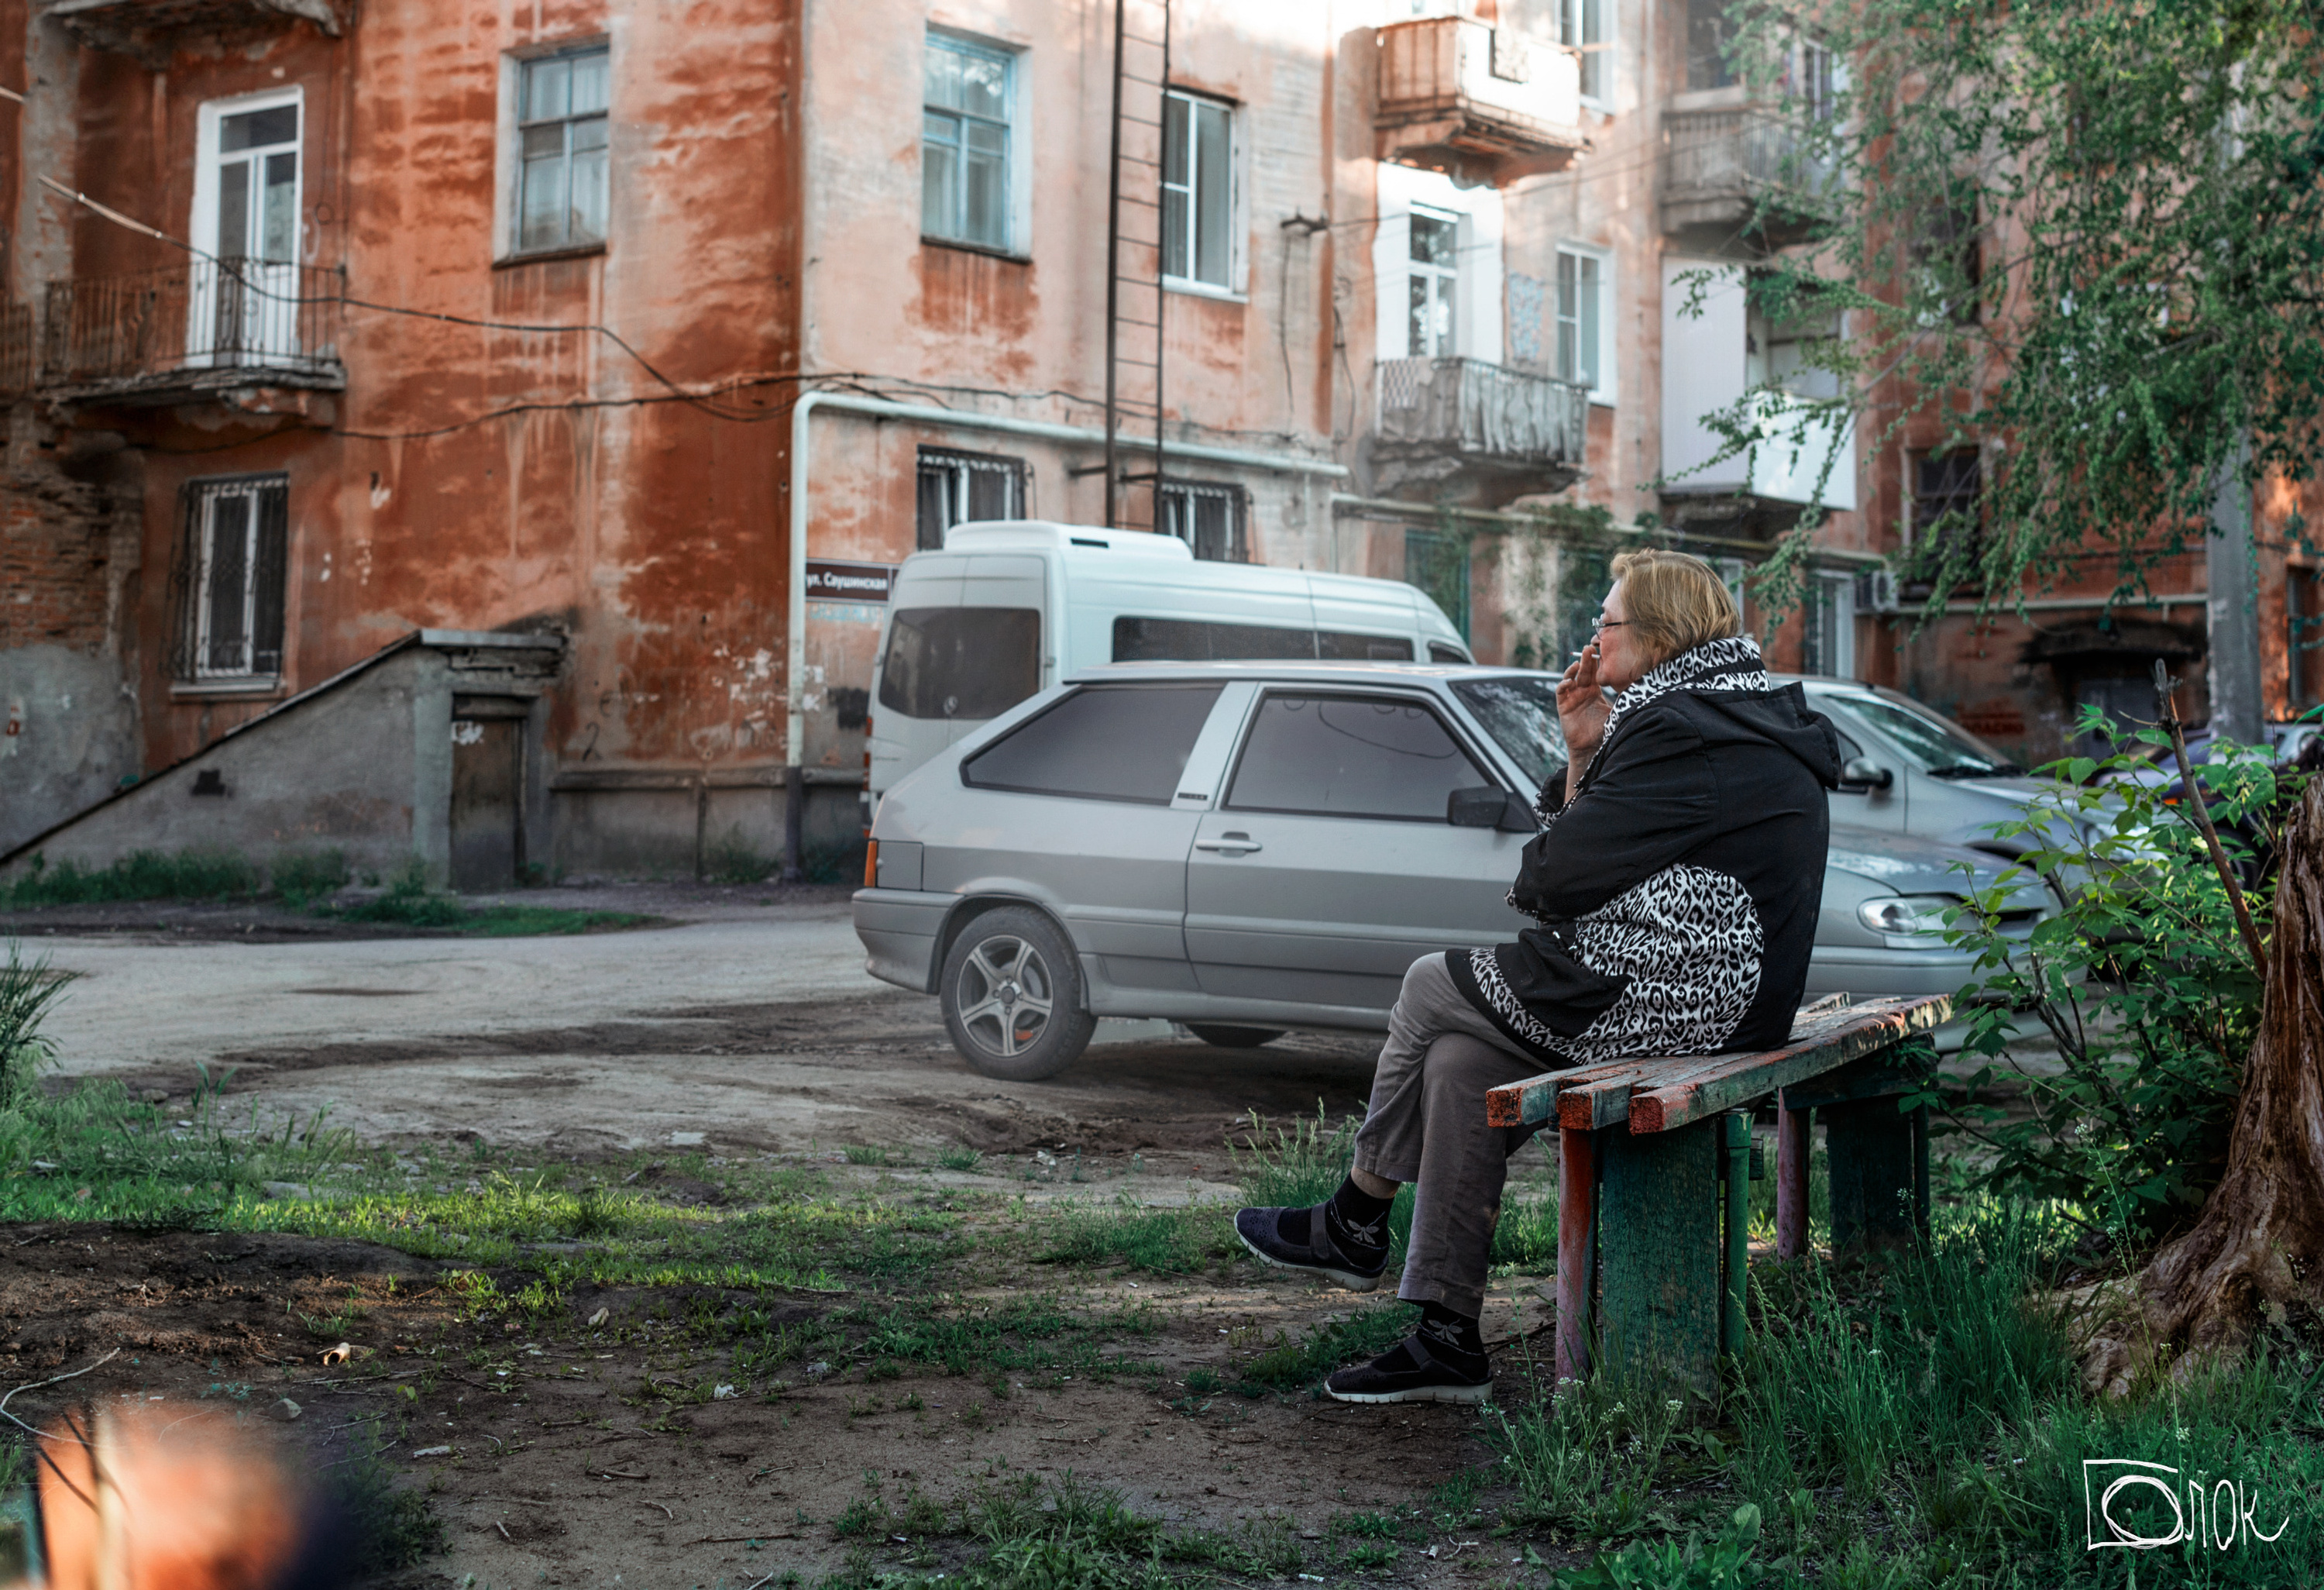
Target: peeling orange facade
[(473, 432)]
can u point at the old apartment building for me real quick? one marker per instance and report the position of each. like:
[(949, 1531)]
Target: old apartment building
[(487, 434)]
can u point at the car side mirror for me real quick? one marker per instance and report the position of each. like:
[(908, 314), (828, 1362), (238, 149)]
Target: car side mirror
[(1861, 772), (1486, 808)]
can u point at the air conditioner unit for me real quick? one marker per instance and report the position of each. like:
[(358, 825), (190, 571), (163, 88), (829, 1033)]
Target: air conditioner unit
[(1875, 591)]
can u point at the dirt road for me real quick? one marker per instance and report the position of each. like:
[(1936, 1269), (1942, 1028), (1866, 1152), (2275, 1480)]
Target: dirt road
[(752, 1024)]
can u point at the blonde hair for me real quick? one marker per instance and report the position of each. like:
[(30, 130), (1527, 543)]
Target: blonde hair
[(1676, 600)]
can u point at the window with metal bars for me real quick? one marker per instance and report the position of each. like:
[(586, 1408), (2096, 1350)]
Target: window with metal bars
[(229, 579), (1207, 517), (957, 488)]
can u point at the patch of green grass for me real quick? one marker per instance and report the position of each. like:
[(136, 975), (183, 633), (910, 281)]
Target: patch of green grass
[(390, 1527), (960, 1157), (300, 876), (410, 902), (1526, 1236), (142, 874), (1303, 1163), (863, 1153), (1285, 1364), (1159, 1241)]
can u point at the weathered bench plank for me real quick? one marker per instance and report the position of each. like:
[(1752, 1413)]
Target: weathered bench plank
[(1743, 1079), (1590, 1096)]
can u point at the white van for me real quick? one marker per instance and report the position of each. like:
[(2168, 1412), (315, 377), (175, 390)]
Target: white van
[(1011, 606)]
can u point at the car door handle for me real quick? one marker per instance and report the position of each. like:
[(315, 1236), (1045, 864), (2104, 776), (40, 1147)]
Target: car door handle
[(1230, 845)]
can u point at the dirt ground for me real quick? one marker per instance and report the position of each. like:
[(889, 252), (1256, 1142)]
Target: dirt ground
[(745, 1027), (565, 1467)]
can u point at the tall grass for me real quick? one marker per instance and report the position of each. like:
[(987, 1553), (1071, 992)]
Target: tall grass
[(28, 990), (142, 874)]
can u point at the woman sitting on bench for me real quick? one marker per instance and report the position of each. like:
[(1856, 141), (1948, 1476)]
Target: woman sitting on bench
[(1676, 882)]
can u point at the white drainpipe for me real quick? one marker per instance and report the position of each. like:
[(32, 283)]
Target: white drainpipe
[(926, 414)]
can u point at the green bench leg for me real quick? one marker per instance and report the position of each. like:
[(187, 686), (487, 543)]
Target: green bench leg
[(1879, 1161), (1735, 1212), (1659, 1254)]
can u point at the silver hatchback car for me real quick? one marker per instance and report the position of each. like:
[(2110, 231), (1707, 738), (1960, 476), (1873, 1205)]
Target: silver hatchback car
[(1251, 847)]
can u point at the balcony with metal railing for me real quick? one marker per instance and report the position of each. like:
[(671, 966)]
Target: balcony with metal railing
[(169, 335), (150, 31), (1731, 168), (1483, 103), (1458, 427)]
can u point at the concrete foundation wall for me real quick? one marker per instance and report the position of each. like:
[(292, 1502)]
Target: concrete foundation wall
[(341, 771), (70, 736)]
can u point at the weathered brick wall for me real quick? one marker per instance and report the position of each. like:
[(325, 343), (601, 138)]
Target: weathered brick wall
[(69, 556)]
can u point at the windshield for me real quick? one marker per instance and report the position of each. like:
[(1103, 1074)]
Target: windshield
[(1521, 715), (1942, 748)]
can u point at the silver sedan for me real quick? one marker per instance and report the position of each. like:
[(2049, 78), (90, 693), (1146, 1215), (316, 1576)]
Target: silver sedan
[(1247, 849)]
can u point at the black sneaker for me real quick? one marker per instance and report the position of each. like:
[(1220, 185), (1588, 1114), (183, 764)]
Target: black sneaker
[(1353, 1264), (1416, 1370)]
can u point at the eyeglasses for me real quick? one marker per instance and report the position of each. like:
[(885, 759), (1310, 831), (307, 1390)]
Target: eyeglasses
[(1607, 623)]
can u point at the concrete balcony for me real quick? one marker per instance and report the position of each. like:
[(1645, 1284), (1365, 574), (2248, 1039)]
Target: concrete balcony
[(1483, 105), (1463, 429), (179, 333), (1724, 170), (150, 31)]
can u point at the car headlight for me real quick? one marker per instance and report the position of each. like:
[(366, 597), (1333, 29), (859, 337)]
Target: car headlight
[(1908, 915)]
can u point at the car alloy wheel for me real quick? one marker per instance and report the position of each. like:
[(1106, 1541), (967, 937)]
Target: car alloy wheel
[(1011, 996)]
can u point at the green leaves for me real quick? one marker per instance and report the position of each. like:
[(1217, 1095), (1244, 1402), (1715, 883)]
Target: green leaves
[(2140, 982)]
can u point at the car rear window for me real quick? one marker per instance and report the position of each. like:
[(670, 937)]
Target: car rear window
[(972, 662), (1188, 640), (1350, 756), (1106, 743)]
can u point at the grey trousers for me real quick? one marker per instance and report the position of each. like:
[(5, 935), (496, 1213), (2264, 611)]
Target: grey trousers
[(1427, 1125)]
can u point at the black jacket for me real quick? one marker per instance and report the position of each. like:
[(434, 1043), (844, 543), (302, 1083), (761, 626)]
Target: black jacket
[(1677, 891)]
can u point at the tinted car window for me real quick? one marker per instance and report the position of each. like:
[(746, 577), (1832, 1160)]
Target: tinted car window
[(1187, 640), (1343, 645), (1521, 715), (1106, 743), (1350, 756), (1438, 652), (974, 662)]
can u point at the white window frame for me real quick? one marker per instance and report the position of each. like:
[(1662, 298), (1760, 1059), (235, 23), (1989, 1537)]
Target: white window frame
[(1574, 17), (1481, 308), (1018, 244), (509, 140), (1604, 392), (1449, 276), (1237, 227), (1834, 593), (277, 319)]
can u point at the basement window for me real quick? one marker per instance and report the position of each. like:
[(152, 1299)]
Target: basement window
[(229, 579)]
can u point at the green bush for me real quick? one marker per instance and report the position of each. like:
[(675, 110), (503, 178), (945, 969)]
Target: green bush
[(300, 876), (2142, 979), (142, 874)]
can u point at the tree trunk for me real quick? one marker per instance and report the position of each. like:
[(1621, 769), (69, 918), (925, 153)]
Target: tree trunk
[(2257, 1248)]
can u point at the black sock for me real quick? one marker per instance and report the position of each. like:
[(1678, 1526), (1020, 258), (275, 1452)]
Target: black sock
[(1454, 1338), (1353, 1215), (1357, 1220)]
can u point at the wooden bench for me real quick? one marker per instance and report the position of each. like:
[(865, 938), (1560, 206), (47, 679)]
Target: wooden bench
[(1643, 1275)]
